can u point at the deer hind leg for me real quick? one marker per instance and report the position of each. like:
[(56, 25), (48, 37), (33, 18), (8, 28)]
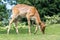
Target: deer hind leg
[(10, 21), (16, 26)]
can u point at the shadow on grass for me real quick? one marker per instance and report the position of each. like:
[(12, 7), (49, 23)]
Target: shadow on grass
[(21, 30)]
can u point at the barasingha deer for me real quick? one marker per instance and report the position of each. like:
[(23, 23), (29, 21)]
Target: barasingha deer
[(28, 12)]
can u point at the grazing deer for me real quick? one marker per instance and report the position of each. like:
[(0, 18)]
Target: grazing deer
[(29, 12)]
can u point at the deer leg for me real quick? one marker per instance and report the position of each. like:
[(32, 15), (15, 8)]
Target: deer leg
[(8, 29), (10, 22), (16, 26), (28, 19), (9, 25), (36, 29), (29, 25), (37, 24)]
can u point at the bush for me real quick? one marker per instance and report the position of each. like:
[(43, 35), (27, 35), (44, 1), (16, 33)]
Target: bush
[(53, 19)]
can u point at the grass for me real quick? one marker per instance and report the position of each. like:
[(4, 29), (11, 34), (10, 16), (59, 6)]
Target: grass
[(52, 32)]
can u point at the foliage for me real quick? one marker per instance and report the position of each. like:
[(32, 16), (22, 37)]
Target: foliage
[(52, 32), (3, 14), (53, 19), (44, 7)]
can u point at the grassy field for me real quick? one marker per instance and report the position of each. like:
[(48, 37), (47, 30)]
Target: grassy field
[(52, 33)]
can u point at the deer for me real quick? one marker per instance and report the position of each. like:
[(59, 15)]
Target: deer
[(29, 12)]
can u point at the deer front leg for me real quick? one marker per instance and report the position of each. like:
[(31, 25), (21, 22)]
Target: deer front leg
[(28, 19), (37, 24)]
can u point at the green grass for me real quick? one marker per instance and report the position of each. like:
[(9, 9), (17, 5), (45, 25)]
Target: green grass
[(52, 32)]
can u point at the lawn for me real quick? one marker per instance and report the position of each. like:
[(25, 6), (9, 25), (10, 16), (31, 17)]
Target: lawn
[(52, 32)]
